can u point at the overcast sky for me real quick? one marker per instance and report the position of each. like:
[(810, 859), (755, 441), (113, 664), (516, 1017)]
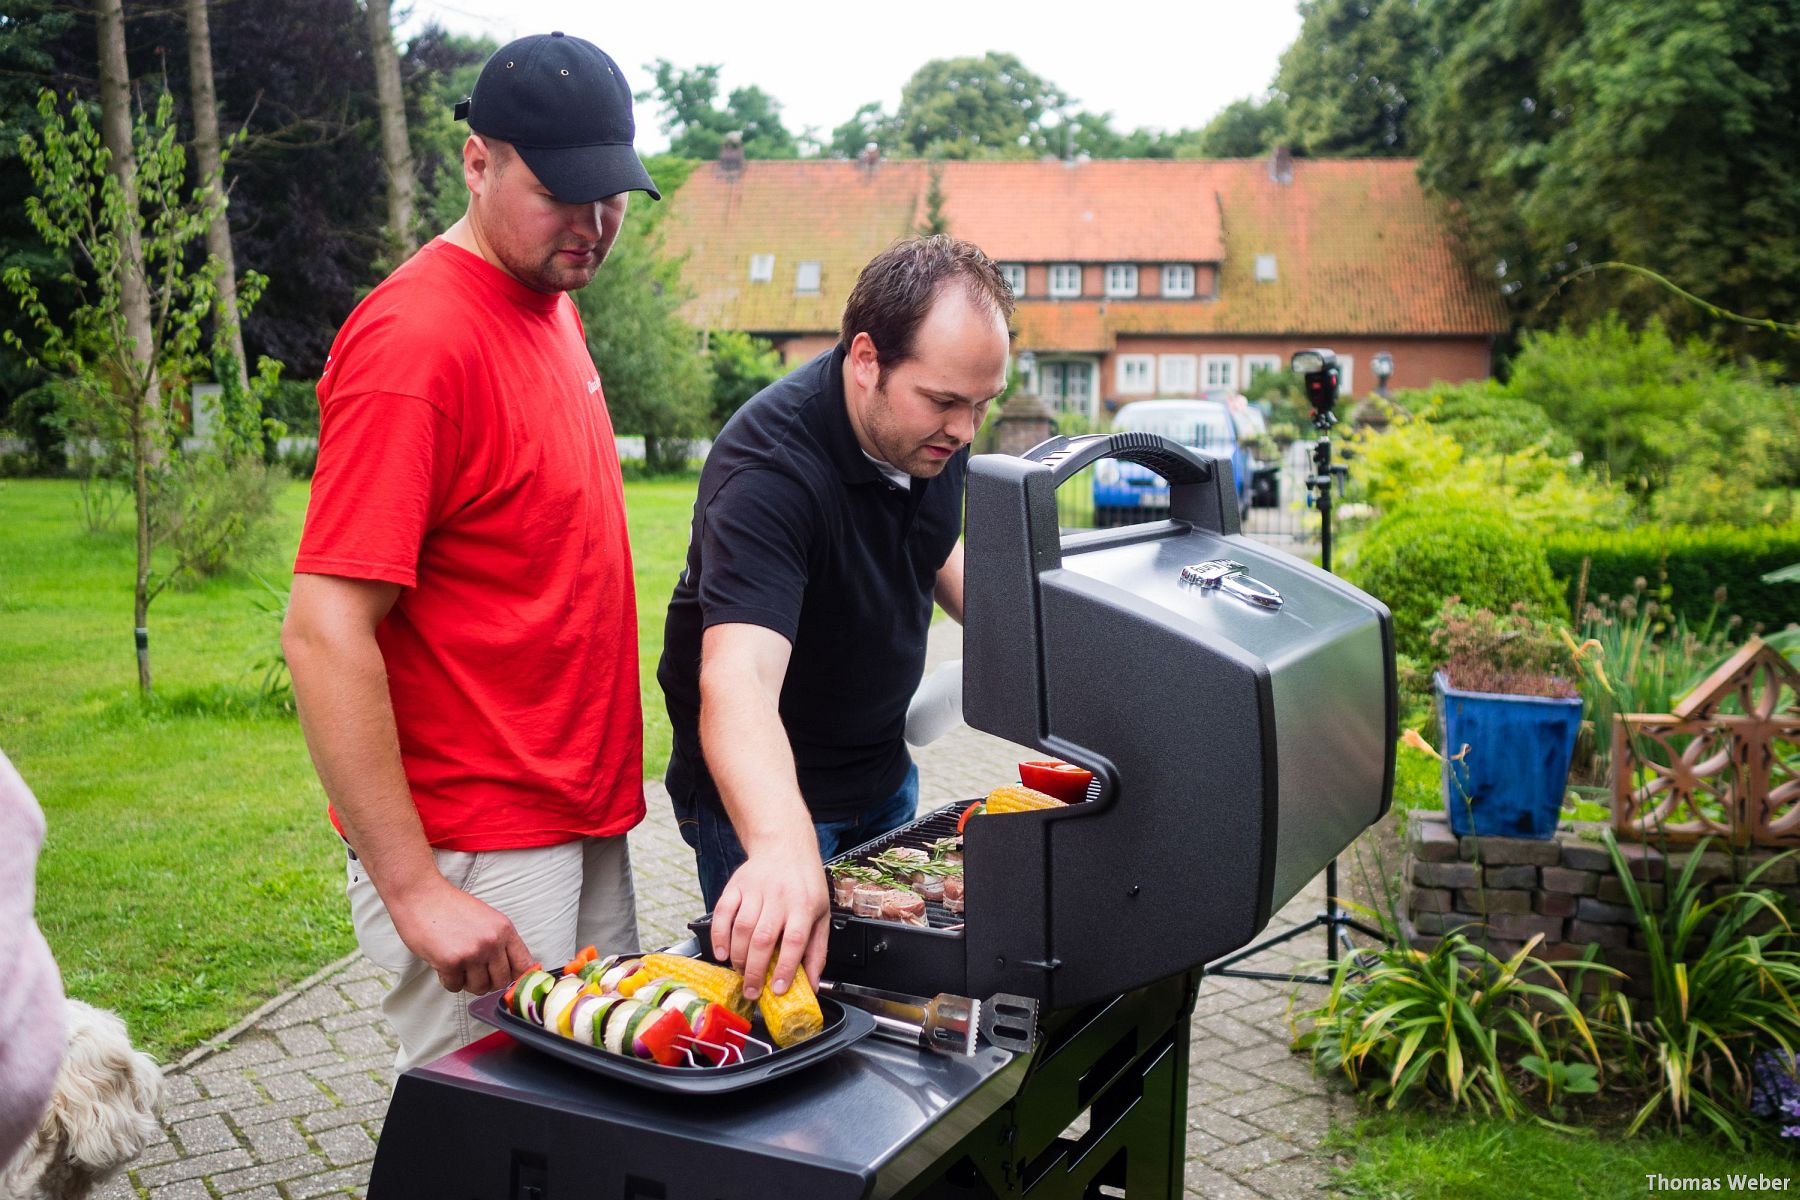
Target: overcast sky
[(1168, 65)]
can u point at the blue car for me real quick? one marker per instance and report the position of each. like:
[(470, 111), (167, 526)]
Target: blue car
[(1125, 493)]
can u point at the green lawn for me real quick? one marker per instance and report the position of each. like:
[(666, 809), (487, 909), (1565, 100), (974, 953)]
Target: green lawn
[(189, 873), (1433, 1157)]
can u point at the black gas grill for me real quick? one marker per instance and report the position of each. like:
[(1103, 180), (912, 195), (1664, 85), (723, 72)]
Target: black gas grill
[(1237, 708)]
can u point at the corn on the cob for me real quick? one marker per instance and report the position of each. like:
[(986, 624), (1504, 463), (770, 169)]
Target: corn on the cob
[(1016, 797), (794, 1015), (721, 985)]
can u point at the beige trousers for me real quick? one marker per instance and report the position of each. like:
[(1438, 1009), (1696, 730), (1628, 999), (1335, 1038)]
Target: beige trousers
[(559, 898)]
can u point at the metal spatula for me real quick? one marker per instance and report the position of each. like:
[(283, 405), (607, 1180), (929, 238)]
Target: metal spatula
[(946, 1023)]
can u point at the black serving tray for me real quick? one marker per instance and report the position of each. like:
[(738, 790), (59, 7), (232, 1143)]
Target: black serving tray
[(844, 1026)]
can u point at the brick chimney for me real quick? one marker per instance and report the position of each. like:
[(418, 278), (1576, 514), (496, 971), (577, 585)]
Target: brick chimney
[(1281, 165), (731, 153)]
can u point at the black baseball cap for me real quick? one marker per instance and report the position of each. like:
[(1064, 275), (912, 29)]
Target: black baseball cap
[(564, 105)]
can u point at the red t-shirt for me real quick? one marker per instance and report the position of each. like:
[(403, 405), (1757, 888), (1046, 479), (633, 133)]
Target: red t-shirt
[(465, 452)]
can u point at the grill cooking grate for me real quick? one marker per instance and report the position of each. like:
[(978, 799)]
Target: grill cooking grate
[(920, 834)]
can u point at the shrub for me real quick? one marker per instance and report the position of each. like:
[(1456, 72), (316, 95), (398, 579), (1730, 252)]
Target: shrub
[(1403, 1024), (295, 403), (1639, 403), (1719, 994), (1417, 462), (1693, 562), (1648, 658), (1415, 558), (1482, 418)]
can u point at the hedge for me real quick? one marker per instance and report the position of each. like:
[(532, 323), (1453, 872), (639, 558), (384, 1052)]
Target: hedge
[(1694, 561), (1412, 559)]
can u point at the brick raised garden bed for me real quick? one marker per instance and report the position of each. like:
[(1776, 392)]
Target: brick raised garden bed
[(1564, 888)]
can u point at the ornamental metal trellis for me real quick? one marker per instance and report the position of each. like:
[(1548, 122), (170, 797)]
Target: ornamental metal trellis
[(1725, 763)]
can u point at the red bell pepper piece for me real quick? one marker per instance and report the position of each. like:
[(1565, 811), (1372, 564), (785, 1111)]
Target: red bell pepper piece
[(715, 1027), (977, 807), (662, 1039), (507, 1000)]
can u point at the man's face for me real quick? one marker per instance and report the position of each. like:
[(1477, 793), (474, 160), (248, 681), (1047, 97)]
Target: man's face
[(930, 406), (545, 244)]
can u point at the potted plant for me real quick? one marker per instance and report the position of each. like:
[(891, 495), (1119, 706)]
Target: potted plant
[(1510, 715)]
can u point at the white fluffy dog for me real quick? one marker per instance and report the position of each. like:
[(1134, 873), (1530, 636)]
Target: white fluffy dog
[(101, 1114)]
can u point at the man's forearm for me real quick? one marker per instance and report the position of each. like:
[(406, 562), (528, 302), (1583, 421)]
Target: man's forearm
[(341, 691), (748, 755)]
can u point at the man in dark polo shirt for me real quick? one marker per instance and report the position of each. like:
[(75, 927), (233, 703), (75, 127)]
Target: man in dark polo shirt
[(828, 519)]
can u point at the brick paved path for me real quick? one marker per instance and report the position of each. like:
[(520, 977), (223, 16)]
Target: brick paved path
[(289, 1105)]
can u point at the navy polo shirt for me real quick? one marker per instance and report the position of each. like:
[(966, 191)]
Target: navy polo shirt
[(795, 529)]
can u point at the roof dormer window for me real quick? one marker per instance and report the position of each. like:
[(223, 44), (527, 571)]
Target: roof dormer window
[(806, 278), (762, 268), (1065, 280), (1121, 280)]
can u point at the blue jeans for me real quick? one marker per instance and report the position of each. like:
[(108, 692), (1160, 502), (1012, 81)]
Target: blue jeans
[(719, 853)]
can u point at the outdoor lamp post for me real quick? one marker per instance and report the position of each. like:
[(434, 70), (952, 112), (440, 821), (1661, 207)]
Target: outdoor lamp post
[(1027, 373), (1383, 365)]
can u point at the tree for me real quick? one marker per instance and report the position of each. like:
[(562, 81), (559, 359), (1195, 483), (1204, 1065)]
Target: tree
[(1351, 79), (308, 206), (867, 124), (987, 107), (396, 152), (32, 37), (135, 335), (1245, 128), (742, 366), (132, 350), (228, 331), (656, 383), (1573, 134), (697, 126)]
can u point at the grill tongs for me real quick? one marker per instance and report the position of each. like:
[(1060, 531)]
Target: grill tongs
[(946, 1023)]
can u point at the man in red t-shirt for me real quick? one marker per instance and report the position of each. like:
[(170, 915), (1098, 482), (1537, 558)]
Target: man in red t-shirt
[(462, 631)]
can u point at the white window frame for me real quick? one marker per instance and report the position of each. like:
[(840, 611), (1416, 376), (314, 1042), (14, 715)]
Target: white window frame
[(762, 268), (1267, 270), (1177, 375), (1060, 289), (1121, 280), (1129, 367), (1014, 274), (1255, 363), (1171, 273), (1058, 397), (1226, 366), (1346, 375), (800, 277)]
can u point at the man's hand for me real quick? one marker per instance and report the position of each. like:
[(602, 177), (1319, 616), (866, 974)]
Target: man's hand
[(471, 945), (778, 898), (341, 688)]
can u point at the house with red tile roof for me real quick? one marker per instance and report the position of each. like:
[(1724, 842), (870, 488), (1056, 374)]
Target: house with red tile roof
[(1136, 279)]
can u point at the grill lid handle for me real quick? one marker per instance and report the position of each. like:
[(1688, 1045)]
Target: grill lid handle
[(1066, 456)]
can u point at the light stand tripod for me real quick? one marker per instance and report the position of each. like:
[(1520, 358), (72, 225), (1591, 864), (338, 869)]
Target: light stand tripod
[(1321, 387)]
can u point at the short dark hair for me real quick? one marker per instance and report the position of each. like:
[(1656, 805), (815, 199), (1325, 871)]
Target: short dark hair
[(899, 286)]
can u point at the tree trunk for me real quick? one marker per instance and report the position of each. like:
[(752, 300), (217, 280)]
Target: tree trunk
[(139, 361), (396, 152), (226, 328)]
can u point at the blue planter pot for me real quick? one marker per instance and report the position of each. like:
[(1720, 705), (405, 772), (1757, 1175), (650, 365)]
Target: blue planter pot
[(1511, 781)]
